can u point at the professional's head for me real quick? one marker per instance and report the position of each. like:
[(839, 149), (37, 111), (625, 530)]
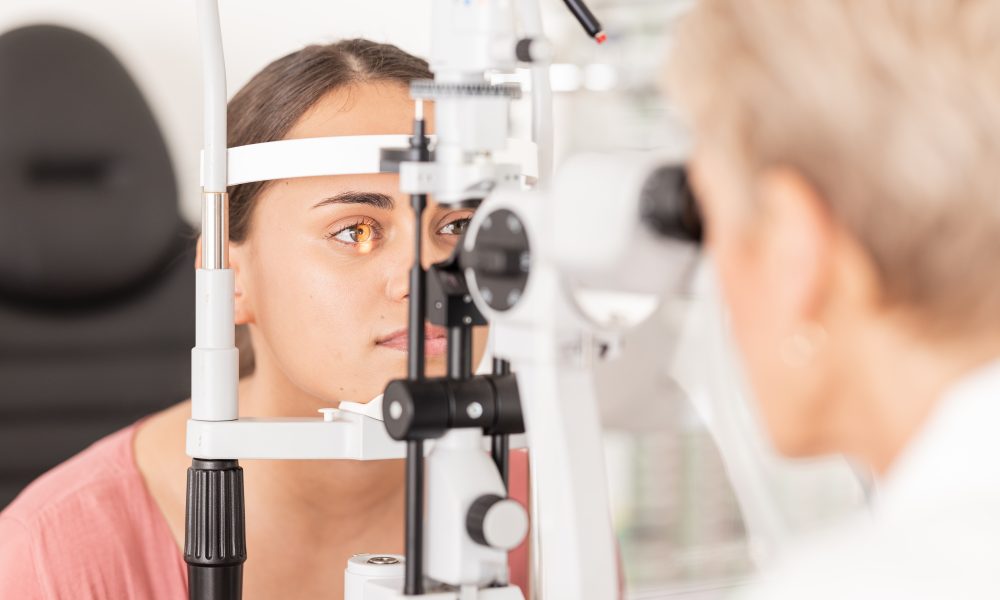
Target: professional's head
[(847, 165), (322, 263)]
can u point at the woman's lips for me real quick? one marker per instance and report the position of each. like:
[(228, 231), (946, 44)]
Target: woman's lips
[(435, 340)]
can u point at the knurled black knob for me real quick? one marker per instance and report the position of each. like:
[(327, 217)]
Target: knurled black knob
[(497, 522), (215, 530)]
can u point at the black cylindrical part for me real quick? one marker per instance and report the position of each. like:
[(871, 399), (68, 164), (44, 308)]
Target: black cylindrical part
[(459, 352), (427, 409), (500, 451), (584, 16), (471, 403), (668, 206), (416, 409), (417, 302), (215, 530), (414, 574), (215, 583), (500, 442), (500, 366), (509, 417)]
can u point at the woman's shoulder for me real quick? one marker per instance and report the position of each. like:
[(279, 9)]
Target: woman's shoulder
[(99, 470), (88, 528)]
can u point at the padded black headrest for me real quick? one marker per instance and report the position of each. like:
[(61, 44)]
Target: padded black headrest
[(88, 199)]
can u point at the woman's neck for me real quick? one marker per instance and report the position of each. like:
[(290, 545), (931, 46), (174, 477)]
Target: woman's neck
[(328, 490)]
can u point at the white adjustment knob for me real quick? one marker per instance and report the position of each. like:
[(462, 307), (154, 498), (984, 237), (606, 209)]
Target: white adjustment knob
[(497, 522)]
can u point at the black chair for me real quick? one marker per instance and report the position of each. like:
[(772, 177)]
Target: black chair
[(96, 262)]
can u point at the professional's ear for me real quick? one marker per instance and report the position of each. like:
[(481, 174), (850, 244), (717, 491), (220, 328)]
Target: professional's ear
[(798, 245), (197, 254)]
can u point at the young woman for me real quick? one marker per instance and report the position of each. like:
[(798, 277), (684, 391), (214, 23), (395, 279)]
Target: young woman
[(847, 168), (321, 270)]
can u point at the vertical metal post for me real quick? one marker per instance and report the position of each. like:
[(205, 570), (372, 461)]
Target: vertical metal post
[(414, 542)]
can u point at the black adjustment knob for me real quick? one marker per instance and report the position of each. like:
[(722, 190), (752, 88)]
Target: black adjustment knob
[(404, 421), (215, 545), (496, 522), (509, 418)]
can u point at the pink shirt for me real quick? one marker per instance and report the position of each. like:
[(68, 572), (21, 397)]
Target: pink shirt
[(89, 529)]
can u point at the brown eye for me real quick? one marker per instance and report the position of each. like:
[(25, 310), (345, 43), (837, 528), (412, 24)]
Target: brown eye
[(361, 233), (456, 227), (356, 234)]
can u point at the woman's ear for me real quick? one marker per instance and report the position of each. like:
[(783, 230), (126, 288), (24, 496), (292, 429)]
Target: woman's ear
[(244, 314)]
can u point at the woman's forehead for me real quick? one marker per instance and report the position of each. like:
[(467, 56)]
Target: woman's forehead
[(367, 108), (313, 190)]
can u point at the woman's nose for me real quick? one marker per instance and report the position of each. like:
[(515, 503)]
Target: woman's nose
[(398, 285)]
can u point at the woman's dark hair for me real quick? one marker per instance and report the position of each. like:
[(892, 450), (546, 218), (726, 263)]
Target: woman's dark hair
[(269, 105), (273, 101)]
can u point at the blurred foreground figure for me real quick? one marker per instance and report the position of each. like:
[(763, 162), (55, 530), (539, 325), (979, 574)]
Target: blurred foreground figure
[(847, 169)]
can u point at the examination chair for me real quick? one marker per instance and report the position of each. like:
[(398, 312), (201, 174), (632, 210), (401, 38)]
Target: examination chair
[(96, 262)]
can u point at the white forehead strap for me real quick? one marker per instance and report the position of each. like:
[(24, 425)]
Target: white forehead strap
[(341, 155)]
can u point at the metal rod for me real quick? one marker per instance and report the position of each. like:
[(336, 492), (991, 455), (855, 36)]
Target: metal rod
[(414, 518), (415, 448), (500, 450), (215, 230), (414, 528), (417, 301), (460, 352), (500, 443)]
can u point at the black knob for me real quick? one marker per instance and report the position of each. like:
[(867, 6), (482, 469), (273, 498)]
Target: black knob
[(215, 532), (496, 522)]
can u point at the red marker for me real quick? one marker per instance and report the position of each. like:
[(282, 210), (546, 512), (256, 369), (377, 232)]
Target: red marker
[(587, 19)]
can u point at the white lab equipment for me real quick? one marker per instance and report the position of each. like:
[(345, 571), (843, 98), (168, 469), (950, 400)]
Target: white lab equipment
[(556, 303), (472, 524), (558, 292)]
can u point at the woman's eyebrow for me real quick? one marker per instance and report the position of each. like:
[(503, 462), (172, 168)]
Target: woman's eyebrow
[(382, 201)]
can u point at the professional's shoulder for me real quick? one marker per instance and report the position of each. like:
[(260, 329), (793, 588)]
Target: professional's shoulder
[(945, 554), (89, 529)]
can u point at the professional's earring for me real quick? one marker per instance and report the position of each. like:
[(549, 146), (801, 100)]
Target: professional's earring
[(799, 348)]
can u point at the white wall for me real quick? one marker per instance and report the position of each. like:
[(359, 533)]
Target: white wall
[(157, 42)]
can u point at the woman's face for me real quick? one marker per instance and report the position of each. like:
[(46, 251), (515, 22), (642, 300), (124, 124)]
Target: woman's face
[(323, 276)]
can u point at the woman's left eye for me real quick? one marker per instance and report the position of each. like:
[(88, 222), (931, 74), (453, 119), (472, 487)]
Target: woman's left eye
[(361, 234), (456, 227)]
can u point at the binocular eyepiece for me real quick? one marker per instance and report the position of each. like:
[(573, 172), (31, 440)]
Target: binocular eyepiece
[(668, 205)]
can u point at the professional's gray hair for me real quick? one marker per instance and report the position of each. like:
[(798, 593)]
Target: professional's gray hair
[(891, 108)]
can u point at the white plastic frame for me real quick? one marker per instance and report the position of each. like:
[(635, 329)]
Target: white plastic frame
[(340, 155)]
